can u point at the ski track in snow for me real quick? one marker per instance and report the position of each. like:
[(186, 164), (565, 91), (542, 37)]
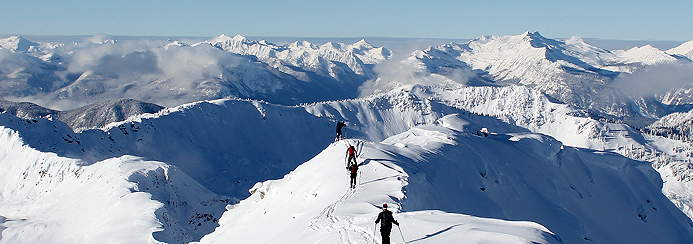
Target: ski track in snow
[(329, 221)]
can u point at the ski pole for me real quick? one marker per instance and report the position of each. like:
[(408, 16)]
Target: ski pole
[(375, 227), (400, 234)]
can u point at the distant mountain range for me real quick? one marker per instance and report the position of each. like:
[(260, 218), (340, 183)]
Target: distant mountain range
[(92, 116), (171, 72)]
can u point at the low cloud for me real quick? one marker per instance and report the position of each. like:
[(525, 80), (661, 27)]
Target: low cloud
[(185, 66), (131, 65), (403, 69), (655, 80), (139, 69)]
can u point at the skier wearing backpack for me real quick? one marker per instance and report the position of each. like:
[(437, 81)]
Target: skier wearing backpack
[(353, 170), (385, 218), (351, 152), (340, 124)]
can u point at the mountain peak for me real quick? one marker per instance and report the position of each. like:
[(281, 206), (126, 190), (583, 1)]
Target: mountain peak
[(239, 38), (362, 44), (532, 35), (225, 38), (331, 45), (575, 39), (647, 55), (303, 44), (17, 44), (685, 49)]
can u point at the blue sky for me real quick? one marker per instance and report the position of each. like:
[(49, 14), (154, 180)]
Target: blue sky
[(625, 20)]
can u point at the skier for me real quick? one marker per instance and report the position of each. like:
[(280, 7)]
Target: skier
[(353, 170), (386, 225), (351, 152), (340, 124)]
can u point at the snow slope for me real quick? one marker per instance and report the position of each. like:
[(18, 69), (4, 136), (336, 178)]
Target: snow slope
[(435, 163), (314, 205), (647, 55), (234, 155), (606, 198), (88, 117), (46, 198), (685, 50), (382, 116), (226, 145)]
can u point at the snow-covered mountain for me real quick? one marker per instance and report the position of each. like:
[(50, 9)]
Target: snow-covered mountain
[(430, 158), (570, 71), (172, 72), (447, 168), (557, 167), (326, 59), (685, 49), (18, 44), (51, 199), (678, 126), (92, 116), (647, 55)]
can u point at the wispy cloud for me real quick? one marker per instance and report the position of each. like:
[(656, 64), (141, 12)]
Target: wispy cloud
[(655, 79), (139, 69), (404, 69)]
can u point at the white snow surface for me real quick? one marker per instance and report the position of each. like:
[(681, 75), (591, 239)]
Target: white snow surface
[(647, 54), (579, 195), (685, 49), (314, 205), (50, 199), (547, 173), (420, 154)]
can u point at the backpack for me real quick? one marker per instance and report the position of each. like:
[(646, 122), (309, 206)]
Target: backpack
[(387, 219), (387, 215)]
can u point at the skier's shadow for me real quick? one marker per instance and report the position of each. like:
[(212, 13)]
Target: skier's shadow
[(434, 234), (369, 160), (379, 179)]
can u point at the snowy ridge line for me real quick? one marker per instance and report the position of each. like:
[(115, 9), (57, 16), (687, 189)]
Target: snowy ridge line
[(417, 107), (209, 153), (303, 54), (515, 105), (582, 184), (333, 213)]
